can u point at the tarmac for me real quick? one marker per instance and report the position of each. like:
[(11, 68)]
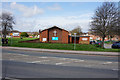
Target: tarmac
[(65, 51)]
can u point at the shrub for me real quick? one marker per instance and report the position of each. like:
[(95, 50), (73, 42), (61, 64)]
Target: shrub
[(97, 45), (24, 34)]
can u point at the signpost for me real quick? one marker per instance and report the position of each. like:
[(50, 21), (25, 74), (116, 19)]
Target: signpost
[(11, 39), (75, 40)]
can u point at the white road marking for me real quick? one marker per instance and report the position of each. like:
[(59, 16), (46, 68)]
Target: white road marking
[(39, 61), (12, 59), (61, 63), (74, 59), (107, 62), (35, 62), (116, 62), (22, 55), (58, 63), (11, 78), (25, 55), (43, 57), (80, 61), (88, 65), (62, 59), (9, 53), (45, 60), (115, 69), (18, 54)]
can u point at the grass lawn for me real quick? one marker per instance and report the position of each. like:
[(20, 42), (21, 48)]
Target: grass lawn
[(80, 47)]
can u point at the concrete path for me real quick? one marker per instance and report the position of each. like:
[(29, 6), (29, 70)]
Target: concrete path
[(66, 51)]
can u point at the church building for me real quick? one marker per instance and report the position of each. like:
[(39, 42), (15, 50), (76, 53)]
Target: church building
[(58, 35), (54, 35)]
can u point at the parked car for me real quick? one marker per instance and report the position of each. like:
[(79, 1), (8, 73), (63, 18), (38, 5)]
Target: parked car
[(92, 42), (116, 45)]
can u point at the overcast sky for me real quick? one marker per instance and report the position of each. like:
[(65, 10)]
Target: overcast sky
[(32, 16)]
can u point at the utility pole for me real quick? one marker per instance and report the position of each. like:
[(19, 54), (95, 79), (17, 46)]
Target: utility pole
[(74, 41)]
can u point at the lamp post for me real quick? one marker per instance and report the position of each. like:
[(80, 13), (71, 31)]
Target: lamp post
[(11, 40), (74, 41), (11, 37)]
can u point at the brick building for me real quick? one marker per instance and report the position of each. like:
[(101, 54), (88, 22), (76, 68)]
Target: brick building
[(54, 35), (15, 33), (80, 39), (95, 37), (58, 35)]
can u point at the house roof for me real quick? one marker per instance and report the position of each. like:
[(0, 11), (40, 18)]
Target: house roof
[(15, 31), (54, 27), (78, 36)]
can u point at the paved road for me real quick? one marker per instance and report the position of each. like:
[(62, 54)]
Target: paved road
[(31, 64)]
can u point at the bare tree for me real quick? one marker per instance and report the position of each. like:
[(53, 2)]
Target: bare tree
[(104, 21), (77, 30), (6, 22), (116, 29)]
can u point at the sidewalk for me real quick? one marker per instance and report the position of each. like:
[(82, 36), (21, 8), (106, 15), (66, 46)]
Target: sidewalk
[(66, 51)]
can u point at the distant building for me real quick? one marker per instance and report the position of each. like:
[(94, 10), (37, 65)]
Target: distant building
[(116, 38), (58, 35), (95, 37), (0, 34), (15, 33), (33, 34)]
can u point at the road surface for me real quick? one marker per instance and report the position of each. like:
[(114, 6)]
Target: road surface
[(32, 64)]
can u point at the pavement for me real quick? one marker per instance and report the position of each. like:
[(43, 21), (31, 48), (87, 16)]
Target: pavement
[(34, 64), (66, 51)]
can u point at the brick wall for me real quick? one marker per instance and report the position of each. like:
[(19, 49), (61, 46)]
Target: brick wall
[(84, 40), (70, 39), (43, 35), (40, 37), (64, 36), (59, 35)]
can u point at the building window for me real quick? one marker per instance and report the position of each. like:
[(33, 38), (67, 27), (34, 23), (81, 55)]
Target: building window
[(44, 39), (55, 33)]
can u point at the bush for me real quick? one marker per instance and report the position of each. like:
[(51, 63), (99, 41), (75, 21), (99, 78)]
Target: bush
[(24, 34), (97, 45)]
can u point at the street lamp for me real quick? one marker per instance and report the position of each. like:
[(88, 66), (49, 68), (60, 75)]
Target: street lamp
[(75, 40), (11, 34), (11, 39)]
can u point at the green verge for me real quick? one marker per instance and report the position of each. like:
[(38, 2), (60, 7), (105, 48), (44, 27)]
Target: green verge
[(80, 47)]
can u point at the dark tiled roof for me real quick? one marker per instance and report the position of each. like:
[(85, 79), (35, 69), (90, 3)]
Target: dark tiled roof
[(15, 31), (78, 36), (54, 27)]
